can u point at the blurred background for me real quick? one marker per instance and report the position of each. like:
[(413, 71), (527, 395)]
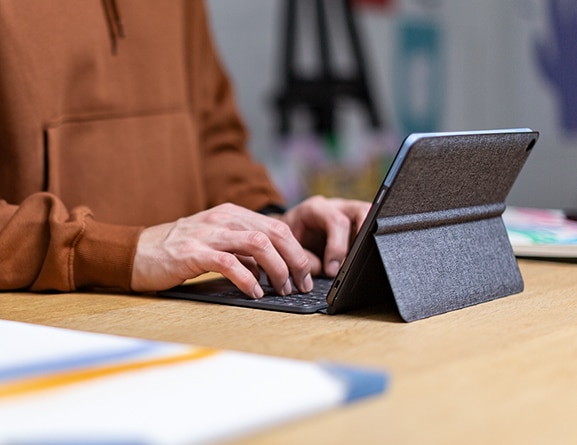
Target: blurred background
[(329, 88)]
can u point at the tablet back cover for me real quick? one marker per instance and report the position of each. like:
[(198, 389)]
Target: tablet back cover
[(440, 234)]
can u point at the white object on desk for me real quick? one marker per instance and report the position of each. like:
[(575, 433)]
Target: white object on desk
[(62, 386)]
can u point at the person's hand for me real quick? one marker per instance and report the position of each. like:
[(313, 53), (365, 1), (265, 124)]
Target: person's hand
[(227, 239), (325, 227)]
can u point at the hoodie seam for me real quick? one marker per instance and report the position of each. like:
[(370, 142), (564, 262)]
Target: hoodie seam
[(107, 116), (114, 22)]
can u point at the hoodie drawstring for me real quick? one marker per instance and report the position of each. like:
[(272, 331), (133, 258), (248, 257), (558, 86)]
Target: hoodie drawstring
[(114, 21)]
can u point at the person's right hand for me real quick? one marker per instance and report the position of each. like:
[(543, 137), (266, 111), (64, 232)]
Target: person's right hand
[(227, 239)]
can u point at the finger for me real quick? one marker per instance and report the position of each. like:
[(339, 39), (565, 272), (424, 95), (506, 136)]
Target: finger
[(340, 234), (283, 241), (289, 249), (250, 264), (333, 217), (229, 266), (292, 252), (256, 244), (338, 231), (358, 213), (315, 262)]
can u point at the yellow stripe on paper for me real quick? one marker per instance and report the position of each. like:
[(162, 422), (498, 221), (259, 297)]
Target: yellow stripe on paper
[(47, 382)]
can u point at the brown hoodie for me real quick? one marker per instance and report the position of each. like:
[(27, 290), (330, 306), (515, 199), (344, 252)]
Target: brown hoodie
[(114, 115)]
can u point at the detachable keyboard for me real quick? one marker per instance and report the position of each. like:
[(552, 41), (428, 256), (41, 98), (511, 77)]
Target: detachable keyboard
[(223, 291)]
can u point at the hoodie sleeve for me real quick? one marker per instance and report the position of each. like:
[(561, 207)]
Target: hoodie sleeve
[(231, 175), (43, 246)]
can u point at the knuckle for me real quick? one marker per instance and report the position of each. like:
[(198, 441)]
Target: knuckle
[(215, 216), (318, 200), (221, 214), (280, 229), (181, 225), (225, 207), (258, 240), (340, 220), (302, 263), (226, 260)]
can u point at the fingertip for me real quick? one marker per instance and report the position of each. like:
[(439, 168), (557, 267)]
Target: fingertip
[(287, 288), (257, 292), (308, 283), (332, 268)]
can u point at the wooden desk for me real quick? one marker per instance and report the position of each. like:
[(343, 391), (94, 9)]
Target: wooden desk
[(501, 372)]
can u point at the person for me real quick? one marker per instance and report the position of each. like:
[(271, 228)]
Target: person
[(123, 159)]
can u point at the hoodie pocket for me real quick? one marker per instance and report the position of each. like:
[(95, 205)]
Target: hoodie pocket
[(138, 170)]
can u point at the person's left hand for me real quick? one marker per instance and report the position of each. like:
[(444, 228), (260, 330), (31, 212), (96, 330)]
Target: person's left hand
[(325, 227)]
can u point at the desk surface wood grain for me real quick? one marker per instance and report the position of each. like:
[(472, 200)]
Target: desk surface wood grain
[(500, 372)]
